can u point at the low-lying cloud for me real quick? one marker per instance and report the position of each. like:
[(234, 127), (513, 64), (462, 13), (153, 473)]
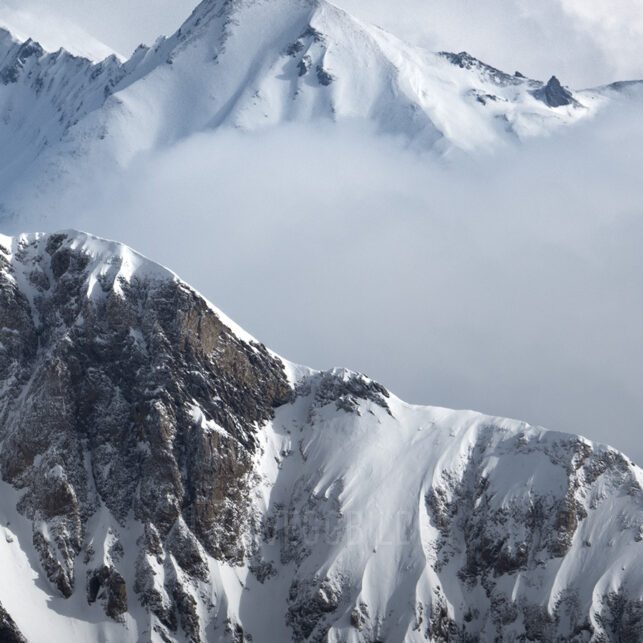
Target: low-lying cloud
[(507, 283)]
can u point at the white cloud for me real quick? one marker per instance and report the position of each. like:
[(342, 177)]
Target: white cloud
[(617, 29), (510, 285)]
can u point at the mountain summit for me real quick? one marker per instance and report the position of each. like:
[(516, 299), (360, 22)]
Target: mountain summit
[(251, 65), (168, 478)]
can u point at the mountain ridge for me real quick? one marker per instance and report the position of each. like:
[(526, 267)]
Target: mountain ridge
[(168, 478), (250, 66)]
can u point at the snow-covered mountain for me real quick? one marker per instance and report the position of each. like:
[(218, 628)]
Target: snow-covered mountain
[(250, 64), (42, 96), (168, 478)]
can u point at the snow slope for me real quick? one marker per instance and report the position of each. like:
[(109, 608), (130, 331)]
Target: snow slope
[(42, 96), (344, 514)]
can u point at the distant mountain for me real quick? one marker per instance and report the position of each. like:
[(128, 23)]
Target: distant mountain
[(251, 64), (169, 478)]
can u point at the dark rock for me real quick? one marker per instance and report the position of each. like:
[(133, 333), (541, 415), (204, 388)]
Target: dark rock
[(441, 626), (622, 618), (345, 389), (60, 574), (310, 605), (185, 548), (501, 540), (539, 623), (10, 74), (360, 616), (113, 380), (153, 595), (324, 77), (568, 515), (304, 66), (554, 94), (9, 632), (464, 60), (236, 632), (312, 34), (295, 48), (188, 615), (108, 585)]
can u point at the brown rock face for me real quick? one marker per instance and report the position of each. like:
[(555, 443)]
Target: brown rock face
[(131, 393), (135, 423), (107, 584)]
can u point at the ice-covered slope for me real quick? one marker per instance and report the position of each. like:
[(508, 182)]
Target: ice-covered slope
[(42, 96), (251, 64), (168, 478)]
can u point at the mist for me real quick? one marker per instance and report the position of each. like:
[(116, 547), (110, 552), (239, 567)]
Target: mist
[(508, 283)]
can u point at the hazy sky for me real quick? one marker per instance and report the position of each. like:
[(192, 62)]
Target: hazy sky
[(584, 42)]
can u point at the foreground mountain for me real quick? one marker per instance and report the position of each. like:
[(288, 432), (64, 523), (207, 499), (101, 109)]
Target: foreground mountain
[(250, 64), (168, 478)]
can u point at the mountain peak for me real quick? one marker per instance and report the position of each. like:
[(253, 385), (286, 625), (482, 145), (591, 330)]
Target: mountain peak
[(252, 64), (554, 94), (103, 267), (153, 458), (225, 10)]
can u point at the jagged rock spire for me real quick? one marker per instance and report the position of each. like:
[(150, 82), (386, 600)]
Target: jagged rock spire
[(554, 94)]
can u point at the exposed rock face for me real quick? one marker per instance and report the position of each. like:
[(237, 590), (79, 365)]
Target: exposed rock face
[(9, 632), (464, 60), (180, 487), (310, 605), (128, 393), (496, 540), (17, 59), (107, 584), (554, 94), (344, 389)]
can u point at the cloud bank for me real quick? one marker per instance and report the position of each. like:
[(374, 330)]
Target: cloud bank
[(509, 284)]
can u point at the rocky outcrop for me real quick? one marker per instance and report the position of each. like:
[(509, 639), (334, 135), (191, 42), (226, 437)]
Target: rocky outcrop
[(465, 60), (9, 632), (310, 604), (497, 539), (108, 585), (553, 94), (343, 388)]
